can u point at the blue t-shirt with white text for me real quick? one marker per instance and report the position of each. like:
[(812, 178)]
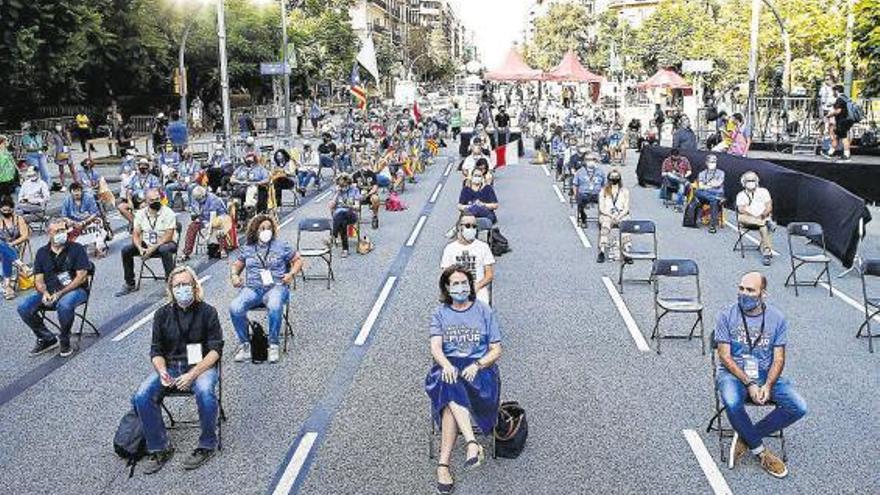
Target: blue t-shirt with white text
[(468, 333), (729, 329)]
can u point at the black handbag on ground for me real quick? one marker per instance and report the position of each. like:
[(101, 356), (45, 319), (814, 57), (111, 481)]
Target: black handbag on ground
[(511, 430), (259, 343), (690, 214)]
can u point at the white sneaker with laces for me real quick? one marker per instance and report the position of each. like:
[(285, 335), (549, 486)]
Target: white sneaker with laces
[(243, 354), (274, 353)]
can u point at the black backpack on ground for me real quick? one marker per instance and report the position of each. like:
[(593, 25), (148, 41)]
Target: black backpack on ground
[(498, 243), (129, 442), (691, 211), (259, 343), (511, 430)]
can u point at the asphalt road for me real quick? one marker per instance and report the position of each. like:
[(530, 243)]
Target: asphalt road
[(345, 412)]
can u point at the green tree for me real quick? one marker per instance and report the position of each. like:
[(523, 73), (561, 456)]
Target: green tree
[(564, 27), (867, 35)]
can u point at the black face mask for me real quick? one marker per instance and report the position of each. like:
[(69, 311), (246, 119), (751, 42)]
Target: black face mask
[(6, 214), (614, 180), (156, 205), (143, 171)]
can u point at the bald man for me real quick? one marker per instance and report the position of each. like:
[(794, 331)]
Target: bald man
[(751, 336)]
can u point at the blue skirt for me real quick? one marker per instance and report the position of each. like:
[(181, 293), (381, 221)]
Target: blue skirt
[(480, 397)]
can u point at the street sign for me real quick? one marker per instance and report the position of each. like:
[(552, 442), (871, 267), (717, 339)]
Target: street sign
[(697, 66), (273, 68)]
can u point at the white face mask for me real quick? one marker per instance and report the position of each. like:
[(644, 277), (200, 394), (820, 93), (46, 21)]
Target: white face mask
[(468, 233), (59, 238), (477, 180), (751, 185), (265, 236), (711, 166)]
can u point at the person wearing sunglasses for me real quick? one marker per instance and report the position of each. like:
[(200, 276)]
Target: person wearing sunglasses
[(472, 253)]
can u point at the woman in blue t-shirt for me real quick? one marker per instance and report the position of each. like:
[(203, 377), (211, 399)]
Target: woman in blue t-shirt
[(478, 198), (464, 381)]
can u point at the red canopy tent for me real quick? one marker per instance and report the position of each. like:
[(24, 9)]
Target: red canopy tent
[(665, 78), (514, 69), (571, 70)]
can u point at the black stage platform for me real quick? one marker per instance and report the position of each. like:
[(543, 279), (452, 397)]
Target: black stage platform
[(465, 141)]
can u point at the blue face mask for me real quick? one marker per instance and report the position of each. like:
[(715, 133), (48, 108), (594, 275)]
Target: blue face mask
[(183, 294), (460, 294), (749, 303)]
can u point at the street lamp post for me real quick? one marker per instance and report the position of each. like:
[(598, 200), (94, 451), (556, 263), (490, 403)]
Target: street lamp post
[(412, 64), (284, 56), (751, 108), (181, 71), (224, 77)]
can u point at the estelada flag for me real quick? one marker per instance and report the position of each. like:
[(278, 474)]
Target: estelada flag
[(417, 115), (507, 154)]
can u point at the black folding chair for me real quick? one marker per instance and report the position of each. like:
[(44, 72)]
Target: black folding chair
[(150, 272), (812, 233), (663, 304), (870, 268), (286, 326), (81, 314), (194, 423), (636, 228), (717, 424), (435, 430), (316, 226), (742, 231)]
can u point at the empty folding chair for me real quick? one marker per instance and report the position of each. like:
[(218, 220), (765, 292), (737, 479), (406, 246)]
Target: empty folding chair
[(717, 422), (741, 232), (871, 302), (635, 229), (316, 227), (676, 303), (812, 252)]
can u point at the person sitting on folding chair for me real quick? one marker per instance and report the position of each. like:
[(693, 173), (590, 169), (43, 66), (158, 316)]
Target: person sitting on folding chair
[(470, 162), (754, 209), (586, 186), (710, 190), (751, 336), (368, 185), (472, 253), (206, 208), (154, 236), (182, 178), (343, 208), (61, 268), (186, 346), (84, 220), (33, 196), (283, 174), (95, 184), (614, 208), (478, 199), (250, 185), (219, 169), (676, 170), (136, 190), (327, 153), (14, 234), (463, 383), (269, 265)]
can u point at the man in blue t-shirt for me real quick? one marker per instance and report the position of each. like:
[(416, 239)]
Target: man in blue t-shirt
[(751, 337), (710, 189)]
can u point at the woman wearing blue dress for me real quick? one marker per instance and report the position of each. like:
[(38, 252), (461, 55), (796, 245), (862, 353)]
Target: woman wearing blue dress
[(463, 384)]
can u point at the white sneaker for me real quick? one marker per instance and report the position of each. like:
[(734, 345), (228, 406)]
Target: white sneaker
[(274, 353), (243, 354)]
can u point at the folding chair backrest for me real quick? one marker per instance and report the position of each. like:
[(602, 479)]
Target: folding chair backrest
[(312, 227), (871, 268), (637, 227), (675, 268), (811, 231), (483, 224)]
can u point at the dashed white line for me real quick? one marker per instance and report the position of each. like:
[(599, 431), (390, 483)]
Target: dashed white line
[(845, 298), (287, 222), (448, 169), (558, 193), (416, 230), (374, 313), (707, 464), (546, 170), (436, 192), (634, 331), (580, 232), (291, 472), (324, 195), (128, 331)]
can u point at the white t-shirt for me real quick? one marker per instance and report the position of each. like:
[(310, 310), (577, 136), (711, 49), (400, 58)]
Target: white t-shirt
[(475, 256), (754, 203), (153, 228)]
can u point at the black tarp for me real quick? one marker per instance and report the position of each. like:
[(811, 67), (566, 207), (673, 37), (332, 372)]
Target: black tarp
[(796, 196), (861, 179)]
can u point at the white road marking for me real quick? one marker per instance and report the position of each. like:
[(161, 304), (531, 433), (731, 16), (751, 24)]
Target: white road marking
[(118, 237), (546, 170), (286, 222), (128, 331), (416, 230), (448, 169), (634, 331), (710, 469), (291, 472), (436, 192), (374, 313), (324, 195), (750, 237), (580, 232), (845, 298), (558, 193)]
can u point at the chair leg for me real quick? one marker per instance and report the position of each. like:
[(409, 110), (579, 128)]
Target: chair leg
[(702, 332), (828, 280), (431, 439)]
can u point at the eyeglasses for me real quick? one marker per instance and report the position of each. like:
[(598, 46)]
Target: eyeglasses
[(468, 225), (180, 284)]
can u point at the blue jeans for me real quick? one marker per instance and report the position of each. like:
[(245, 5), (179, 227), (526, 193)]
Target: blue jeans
[(714, 201), (28, 308), (8, 255), (674, 184), (306, 176), (790, 407), (274, 298), (37, 160), (146, 403), (326, 161)]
